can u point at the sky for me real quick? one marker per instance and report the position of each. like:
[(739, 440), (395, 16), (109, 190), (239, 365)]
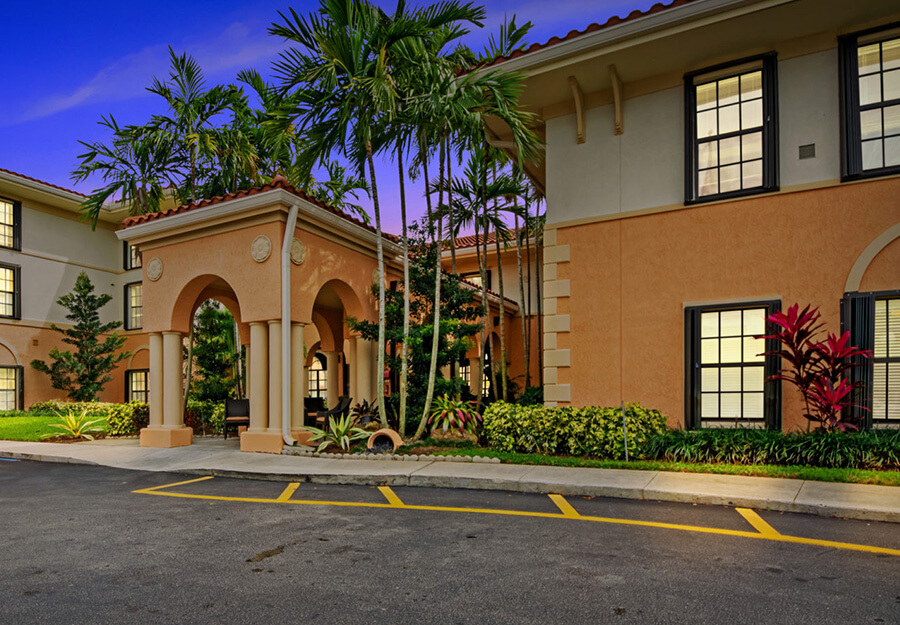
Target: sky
[(66, 64)]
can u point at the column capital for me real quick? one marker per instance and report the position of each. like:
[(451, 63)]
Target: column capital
[(171, 333), (273, 321), (257, 323)]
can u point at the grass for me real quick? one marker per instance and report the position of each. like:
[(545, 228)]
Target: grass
[(28, 428), (855, 476)]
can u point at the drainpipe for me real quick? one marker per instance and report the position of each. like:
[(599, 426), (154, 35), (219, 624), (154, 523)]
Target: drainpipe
[(286, 326)]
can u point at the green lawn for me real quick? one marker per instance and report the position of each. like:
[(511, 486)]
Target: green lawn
[(857, 476), (29, 428)]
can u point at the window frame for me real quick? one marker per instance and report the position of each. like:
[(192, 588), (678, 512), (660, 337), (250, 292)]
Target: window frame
[(127, 290), (692, 379), (770, 171), (16, 292), (20, 385), (320, 374), (851, 133), (129, 373), (127, 265), (16, 225)]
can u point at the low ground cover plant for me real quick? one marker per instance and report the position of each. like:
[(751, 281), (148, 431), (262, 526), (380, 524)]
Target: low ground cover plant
[(872, 449), (588, 431), (339, 433), (77, 424)]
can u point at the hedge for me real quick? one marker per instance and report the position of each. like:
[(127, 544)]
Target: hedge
[(871, 449), (573, 431)]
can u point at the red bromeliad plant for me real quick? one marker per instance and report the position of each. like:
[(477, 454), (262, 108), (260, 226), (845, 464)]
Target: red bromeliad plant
[(816, 368)]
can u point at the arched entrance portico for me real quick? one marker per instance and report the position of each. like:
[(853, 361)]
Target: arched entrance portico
[(236, 250)]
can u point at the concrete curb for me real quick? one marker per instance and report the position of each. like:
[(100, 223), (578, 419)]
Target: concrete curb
[(870, 503)]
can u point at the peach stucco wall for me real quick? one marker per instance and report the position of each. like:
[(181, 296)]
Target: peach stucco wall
[(631, 279)]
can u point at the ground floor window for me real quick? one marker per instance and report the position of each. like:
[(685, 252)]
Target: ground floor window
[(11, 388), (317, 379), (137, 385), (873, 320), (726, 369)]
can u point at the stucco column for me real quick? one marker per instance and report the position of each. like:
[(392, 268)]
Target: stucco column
[(275, 376), (365, 366), (173, 380), (156, 379), (259, 376), (332, 377), (474, 375), (298, 376), (350, 351)]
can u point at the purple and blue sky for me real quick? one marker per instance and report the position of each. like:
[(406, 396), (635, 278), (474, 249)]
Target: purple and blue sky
[(64, 64)]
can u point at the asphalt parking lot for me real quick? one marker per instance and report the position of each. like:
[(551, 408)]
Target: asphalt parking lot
[(98, 545)]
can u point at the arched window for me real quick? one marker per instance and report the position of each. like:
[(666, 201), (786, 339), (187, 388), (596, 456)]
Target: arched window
[(317, 381)]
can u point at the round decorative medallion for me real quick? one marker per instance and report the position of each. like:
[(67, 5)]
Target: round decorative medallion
[(298, 252), (154, 269), (261, 248)]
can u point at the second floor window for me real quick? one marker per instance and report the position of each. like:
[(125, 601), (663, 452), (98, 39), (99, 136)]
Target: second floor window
[(10, 278), (10, 224), (134, 306), (731, 140), (132, 260), (870, 77)]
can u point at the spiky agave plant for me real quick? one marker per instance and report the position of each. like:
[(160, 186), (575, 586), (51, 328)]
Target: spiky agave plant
[(77, 425), (340, 432)]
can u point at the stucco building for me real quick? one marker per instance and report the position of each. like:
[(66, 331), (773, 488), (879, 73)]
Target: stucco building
[(706, 162)]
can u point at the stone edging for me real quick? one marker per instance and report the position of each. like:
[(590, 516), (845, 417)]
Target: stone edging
[(300, 451)]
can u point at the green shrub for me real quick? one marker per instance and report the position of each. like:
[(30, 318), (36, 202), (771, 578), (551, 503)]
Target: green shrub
[(572, 431), (217, 418), (531, 396), (873, 449), (58, 408), (127, 419), (204, 415)]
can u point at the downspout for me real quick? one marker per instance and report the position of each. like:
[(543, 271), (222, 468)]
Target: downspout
[(286, 326)]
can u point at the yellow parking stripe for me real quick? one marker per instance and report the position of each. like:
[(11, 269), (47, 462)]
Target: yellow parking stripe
[(565, 507), (395, 502), (155, 488), (285, 496), (757, 522), (391, 496)]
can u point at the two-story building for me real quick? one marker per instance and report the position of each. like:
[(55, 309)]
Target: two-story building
[(708, 162)]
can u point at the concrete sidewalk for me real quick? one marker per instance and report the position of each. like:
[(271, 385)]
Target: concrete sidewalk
[(222, 458)]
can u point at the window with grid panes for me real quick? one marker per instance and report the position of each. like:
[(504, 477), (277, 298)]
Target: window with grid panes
[(886, 362), (317, 378), (10, 218), (727, 366), (730, 124), (870, 75), (132, 260), (9, 291), (134, 306), (137, 385), (10, 390)]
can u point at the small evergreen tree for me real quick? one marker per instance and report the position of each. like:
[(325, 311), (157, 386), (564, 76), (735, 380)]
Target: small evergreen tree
[(214, 352), (84, 372)]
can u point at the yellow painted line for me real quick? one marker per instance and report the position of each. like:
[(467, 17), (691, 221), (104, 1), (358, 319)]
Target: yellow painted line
[(546, 515), (391, 496), (285, 496), (155, 488), (757, 522), (565, 507)]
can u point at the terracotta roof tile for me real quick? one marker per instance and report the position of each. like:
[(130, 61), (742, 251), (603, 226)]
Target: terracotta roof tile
[(43, 182), (477, 287), (572, 34), (277, 183)]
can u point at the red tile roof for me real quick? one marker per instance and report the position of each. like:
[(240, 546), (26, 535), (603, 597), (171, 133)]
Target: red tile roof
[(277, 183), (612, 21), (477, 287), (43, 182)]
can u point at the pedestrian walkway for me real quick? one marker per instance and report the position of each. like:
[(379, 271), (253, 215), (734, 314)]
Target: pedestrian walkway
[(223, 458)]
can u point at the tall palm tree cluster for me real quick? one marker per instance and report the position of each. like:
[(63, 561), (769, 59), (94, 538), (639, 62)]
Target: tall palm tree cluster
[(355, 84)]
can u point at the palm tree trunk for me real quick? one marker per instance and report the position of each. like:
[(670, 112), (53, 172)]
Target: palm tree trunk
[(436, 335), (450, 224), (503, 382), (404, 350), (485, 335), (382, 412), (522, 308), (530, 276), (239, 391), (538, 243)]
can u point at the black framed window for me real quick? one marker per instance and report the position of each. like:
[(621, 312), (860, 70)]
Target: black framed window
[(134, 306), (137, 385), (10, 296), (12, 388), (10, 224), (130, 257), (475, 277), (726, 369), (870, 102), (731, 138), (317, 377)]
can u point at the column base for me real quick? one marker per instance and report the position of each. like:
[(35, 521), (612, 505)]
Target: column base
[(262, 442), (167, 437), (303, 437)]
